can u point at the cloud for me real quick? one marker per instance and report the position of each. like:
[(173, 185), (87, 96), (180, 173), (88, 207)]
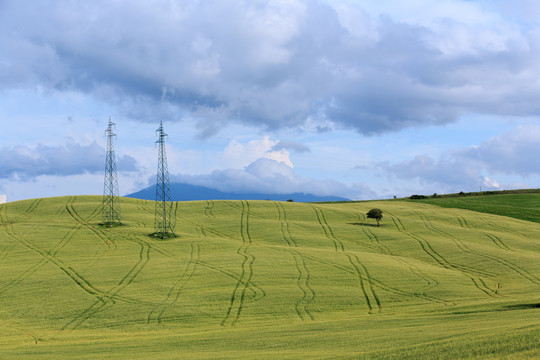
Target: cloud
[(467, 168), (27, 163), (278, 64), (243, 154), (3, 199), (508, 153), (266, 176), (290, 145)]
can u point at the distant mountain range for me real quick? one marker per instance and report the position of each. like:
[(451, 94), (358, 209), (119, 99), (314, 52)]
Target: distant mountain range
[(186, 192)]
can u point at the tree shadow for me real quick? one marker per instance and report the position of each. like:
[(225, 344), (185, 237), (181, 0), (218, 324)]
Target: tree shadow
[(365, 224), (522, 306)]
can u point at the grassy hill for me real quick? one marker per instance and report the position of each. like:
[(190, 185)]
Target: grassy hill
[(524, 206), (262, 279)]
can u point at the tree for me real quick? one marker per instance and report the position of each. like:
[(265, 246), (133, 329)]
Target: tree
[(375, 214)]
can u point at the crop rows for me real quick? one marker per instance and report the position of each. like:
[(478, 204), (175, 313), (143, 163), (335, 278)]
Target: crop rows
[(320, 248)]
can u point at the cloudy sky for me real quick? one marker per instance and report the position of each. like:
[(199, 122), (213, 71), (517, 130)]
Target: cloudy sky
[(358, 98)]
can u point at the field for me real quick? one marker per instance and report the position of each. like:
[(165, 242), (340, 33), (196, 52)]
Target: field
[(520, 206), (267, 280)]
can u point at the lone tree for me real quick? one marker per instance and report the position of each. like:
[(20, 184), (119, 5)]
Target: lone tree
[(375, 214)]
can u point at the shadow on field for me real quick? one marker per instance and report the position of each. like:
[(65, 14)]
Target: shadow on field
[(366, 224), (522, 306)]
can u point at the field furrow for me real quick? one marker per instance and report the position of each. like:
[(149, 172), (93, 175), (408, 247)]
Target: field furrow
[(372, 300), (156, 314), (238, 296), (303, 283)]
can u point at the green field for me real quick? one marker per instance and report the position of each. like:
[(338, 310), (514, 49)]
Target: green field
[(520, 206), (267, 280)]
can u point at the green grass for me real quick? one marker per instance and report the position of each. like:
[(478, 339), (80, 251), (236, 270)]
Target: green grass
[(520, 206), (267, 280)]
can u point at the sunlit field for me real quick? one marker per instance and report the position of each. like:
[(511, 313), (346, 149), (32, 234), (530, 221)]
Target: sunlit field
[(267, 280)]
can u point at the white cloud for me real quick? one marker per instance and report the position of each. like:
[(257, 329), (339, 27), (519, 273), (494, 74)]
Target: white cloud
[(369, 66), (239, 154), (269, 176), (506, 154), (3, 199)]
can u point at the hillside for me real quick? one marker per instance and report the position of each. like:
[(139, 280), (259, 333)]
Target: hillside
[(524, 206), (187, 192), (264, 279)]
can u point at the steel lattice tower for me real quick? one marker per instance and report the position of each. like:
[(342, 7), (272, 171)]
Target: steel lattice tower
[(110, 211), (165, 219)]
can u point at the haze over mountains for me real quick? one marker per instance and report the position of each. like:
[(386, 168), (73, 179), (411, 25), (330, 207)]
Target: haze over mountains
[(187, 192)]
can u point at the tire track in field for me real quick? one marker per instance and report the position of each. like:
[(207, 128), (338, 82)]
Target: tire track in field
[(533, 241), (3, 214), (430, 281), (32, 269), (439, 259), (33, 205), (100, 234), (383, 249), (239, 293), (302, 281), (141, 205), (376, 283), (509, 265), (79, 280), (463, 222), (497, 241), (472, 274), (111, 294), (370, 296), (156, 314), (256, 291), (21, 331), (208, 210), (5, 251)]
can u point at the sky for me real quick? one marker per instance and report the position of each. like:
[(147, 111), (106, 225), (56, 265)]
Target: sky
[(353, 98)]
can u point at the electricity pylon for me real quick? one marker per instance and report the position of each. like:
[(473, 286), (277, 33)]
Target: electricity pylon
[(110, 210), (165, 219)]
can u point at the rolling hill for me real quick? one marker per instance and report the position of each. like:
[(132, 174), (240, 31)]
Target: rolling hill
[(267, 280), (187, 192)]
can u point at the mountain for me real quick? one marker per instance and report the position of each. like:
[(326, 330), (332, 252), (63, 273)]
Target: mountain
[(187, 192)]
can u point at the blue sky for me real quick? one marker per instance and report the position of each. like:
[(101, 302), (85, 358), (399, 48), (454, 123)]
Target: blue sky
[(359, 99)]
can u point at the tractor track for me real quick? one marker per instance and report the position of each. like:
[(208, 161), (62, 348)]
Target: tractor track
[(98, 232), (509, 265), (376, 283), (111, 294), (78, 279), (303, 278), (479, 282), (441, 261), (178, 286), (208, 210), (366, 283), (238, 296), (29, 271), (386, 251)]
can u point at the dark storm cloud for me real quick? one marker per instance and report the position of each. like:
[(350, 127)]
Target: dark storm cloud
[(27, 163), (268, 64)]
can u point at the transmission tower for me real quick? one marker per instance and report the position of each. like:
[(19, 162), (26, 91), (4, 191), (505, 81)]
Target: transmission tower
[(110, 211), (165, 219)]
